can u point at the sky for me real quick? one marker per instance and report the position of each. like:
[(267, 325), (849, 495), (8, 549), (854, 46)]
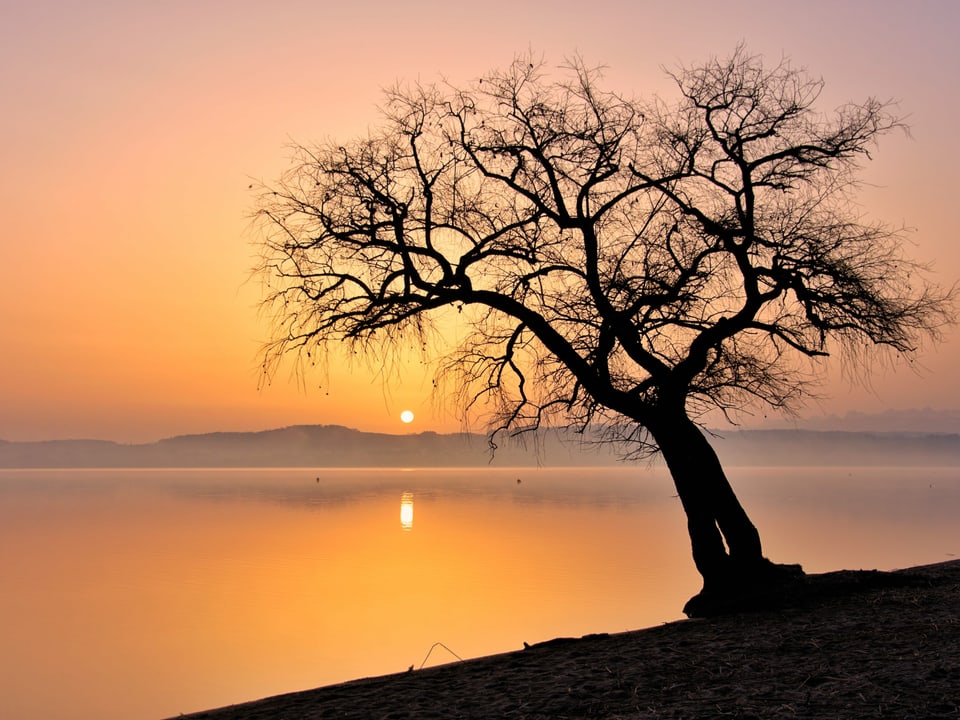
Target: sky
[(130, 133)]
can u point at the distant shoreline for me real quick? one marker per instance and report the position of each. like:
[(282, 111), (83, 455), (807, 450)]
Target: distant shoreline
[(335, 446)]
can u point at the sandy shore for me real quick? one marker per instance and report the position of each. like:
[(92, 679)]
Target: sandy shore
[(850, 645)]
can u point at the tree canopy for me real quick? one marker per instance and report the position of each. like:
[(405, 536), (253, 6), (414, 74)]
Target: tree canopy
[(622, 263), (607, 251)]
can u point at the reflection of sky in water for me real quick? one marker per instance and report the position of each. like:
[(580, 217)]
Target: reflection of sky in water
[(871, 493), (194, 589), (597, 486)]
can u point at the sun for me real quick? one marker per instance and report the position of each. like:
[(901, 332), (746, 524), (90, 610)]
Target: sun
[(406, 416)]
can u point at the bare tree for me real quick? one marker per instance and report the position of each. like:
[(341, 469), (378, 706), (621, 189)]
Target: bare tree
[(621, 264)]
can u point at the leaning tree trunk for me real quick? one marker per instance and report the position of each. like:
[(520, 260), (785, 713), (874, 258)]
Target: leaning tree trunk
[(725, 543)]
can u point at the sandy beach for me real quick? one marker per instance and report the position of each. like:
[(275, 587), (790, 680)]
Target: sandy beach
[(849, 644)]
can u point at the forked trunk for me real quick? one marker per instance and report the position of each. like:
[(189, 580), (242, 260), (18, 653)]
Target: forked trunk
[(725, 543)]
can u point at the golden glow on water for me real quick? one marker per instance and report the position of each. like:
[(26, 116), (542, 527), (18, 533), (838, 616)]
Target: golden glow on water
[(406, 511), (148, 594)]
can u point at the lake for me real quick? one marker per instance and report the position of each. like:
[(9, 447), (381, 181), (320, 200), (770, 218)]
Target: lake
[(150, 593)]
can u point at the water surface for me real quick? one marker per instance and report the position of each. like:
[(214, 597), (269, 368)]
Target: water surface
[(147, 593)]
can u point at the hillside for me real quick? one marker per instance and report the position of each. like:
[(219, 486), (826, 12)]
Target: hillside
[(336, 446)]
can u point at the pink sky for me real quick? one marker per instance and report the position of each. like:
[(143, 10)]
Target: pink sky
[(131, 131)]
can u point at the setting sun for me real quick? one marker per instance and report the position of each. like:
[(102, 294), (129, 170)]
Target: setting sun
[(406, 416)]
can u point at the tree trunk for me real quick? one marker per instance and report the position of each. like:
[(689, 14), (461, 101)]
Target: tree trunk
[(725, 543)]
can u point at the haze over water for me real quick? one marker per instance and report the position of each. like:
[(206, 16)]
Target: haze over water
[(147, 593)]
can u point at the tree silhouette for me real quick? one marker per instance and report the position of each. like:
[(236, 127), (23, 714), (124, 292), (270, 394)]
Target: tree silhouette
[(620, 264)]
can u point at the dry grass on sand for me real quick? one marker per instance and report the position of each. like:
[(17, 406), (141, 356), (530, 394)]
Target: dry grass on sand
[(853, 644)]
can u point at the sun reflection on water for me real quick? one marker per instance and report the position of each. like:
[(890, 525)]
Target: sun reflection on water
[(406, 511)]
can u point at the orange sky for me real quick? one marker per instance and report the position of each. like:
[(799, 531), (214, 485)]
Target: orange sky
[(131, 131)]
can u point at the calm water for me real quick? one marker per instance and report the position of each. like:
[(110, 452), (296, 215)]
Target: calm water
[(147, 593)]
